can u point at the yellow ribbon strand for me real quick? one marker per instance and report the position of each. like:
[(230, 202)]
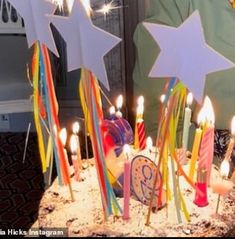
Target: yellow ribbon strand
[(36, 109)]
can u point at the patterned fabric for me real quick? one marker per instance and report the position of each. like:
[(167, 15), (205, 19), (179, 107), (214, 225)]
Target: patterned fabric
[(21, 184), (222, 138)]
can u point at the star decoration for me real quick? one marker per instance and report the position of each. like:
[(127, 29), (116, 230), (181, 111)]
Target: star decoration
[(37, 25), (86, 43), (185, 54)]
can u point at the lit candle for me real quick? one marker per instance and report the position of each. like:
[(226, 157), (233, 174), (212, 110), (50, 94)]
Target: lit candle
[(196, 145), (206, 153), (63, 138), (222, 187), (76, 129), (74, 156), (140, 141), (119, 104), (127, 182), (75, 150), (187, 120)]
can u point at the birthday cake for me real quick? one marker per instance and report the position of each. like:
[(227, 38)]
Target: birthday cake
[(84, 216)]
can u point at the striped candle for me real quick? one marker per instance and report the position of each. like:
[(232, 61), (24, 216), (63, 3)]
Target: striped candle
[(206, 152), (141, 135), (140, 141)]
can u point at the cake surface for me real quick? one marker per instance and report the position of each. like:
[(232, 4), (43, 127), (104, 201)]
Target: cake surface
[(84, 217)]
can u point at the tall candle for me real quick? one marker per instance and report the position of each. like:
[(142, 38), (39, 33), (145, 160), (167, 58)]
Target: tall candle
[(196, 144), (194, 157), (127, 182), (187, 120), (206, 153)]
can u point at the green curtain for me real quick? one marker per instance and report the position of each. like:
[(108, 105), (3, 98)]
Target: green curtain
[(218, 19)]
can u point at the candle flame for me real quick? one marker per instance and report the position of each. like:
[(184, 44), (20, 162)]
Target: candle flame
[(140, 100), (224, 168), (206, 113), (149, 143), (126, 149), (76, 127), (233, 126), (189, 99), (119, 102), (112, 110), (73, 144), (201, 116), (63, 136), (209, 110), (162, 98)]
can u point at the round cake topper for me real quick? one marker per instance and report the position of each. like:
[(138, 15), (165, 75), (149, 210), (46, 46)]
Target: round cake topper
[(143, 172)]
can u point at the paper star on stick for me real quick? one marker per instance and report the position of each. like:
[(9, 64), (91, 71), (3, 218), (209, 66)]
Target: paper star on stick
[(185, 54), (37, 25), (86, 44)]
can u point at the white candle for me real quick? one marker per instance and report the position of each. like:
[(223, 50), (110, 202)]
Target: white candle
[(187, 121)]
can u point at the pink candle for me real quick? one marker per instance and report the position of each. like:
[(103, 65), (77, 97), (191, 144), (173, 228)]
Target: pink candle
[(206, 153), (126, 185)]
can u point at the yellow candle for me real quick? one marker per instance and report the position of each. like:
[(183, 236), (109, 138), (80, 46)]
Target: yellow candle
[(196, 146)]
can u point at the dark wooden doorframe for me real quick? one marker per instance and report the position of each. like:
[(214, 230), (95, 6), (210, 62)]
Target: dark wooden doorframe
[(133, 13)]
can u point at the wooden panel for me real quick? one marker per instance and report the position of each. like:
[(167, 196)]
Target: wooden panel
[(134, 12)]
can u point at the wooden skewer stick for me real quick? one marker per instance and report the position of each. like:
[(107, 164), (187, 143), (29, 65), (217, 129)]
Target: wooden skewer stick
[(171, 107)]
